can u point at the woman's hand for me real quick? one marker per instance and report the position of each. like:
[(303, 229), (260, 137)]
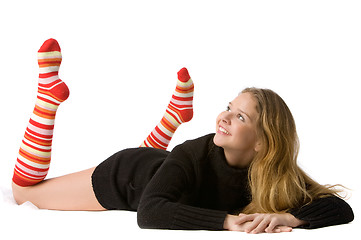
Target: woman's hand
[(258, 223)]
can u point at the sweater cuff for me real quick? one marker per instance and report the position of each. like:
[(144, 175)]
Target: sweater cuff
[(188, 217), (324, 212)]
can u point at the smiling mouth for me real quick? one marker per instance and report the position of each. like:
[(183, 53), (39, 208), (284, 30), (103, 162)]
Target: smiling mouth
[(223, 130)]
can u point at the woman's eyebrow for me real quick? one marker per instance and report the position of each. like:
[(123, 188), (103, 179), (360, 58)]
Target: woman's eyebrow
[(241, 111)]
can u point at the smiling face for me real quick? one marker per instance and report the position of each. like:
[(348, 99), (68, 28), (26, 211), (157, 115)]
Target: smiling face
[(236, 131)]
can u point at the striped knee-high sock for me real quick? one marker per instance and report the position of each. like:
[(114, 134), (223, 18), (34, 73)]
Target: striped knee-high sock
[(179, 110), (33, 161)]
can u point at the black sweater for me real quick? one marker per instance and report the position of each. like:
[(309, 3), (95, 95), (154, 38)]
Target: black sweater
[(195, 188)]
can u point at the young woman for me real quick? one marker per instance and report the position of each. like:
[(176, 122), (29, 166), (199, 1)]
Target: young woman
[(244, 177)]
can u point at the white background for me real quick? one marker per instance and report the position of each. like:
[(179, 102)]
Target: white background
[(120, 60)]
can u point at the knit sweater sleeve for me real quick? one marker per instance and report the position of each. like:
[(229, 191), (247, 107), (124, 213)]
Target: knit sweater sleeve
[(165, 201), (324, 212)]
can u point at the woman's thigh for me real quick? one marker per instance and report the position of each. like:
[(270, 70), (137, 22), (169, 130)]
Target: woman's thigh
[(69, 192)]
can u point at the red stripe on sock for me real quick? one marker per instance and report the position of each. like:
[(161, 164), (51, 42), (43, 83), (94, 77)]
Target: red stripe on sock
[(42, 142), (155, 144), (37, 140), (168, 125), (43, 114), (47, 75), (50, 60), (175, 117), (178, 107), (32, 168), (24, 174), (182, 98), (36, 148), (47, 100), (160, 132), (184, 89), (38, 134), (22, 180), (151, 142), (49, 85), (157, 141), (34, 158), (39, 125)]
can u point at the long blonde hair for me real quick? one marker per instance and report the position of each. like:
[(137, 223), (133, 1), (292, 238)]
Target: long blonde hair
[(276, 182)]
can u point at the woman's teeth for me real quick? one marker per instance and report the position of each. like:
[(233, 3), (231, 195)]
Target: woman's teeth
[(224, 130)]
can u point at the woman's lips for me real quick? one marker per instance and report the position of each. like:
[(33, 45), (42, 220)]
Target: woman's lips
[(223, 131)]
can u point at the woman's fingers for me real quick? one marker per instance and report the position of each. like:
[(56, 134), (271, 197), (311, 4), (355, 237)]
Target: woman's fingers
[(272, 226), (258, 223), (284, 228), (270, 223), (243, 218)]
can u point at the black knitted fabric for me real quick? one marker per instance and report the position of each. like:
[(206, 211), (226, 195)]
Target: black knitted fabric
[(191, 187)]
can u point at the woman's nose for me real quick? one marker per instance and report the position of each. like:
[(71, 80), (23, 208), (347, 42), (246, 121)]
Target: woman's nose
[(226, 118)]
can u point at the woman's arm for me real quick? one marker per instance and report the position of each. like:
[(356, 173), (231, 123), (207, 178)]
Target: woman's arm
[(166, 201), (324, 212)]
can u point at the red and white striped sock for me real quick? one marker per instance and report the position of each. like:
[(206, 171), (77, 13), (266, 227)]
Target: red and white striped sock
[(179, 110), (33, 161)]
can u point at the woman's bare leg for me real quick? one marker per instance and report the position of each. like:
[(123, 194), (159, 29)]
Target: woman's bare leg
[(70, 192)]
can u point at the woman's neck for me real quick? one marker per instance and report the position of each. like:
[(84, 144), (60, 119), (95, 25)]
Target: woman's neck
[(238, 159)]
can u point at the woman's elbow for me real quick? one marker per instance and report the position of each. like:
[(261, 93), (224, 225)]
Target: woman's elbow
[(144, 217), (146, 220), (349, 215), (143, 223), (154, 215)]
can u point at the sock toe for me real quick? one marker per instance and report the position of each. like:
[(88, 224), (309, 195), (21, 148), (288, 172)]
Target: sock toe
[(50, 45), (183, 75)]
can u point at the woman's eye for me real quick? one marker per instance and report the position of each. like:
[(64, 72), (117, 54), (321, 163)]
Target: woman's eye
[(240, 117)]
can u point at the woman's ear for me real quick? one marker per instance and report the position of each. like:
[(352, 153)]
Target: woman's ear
[(258, 146)]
